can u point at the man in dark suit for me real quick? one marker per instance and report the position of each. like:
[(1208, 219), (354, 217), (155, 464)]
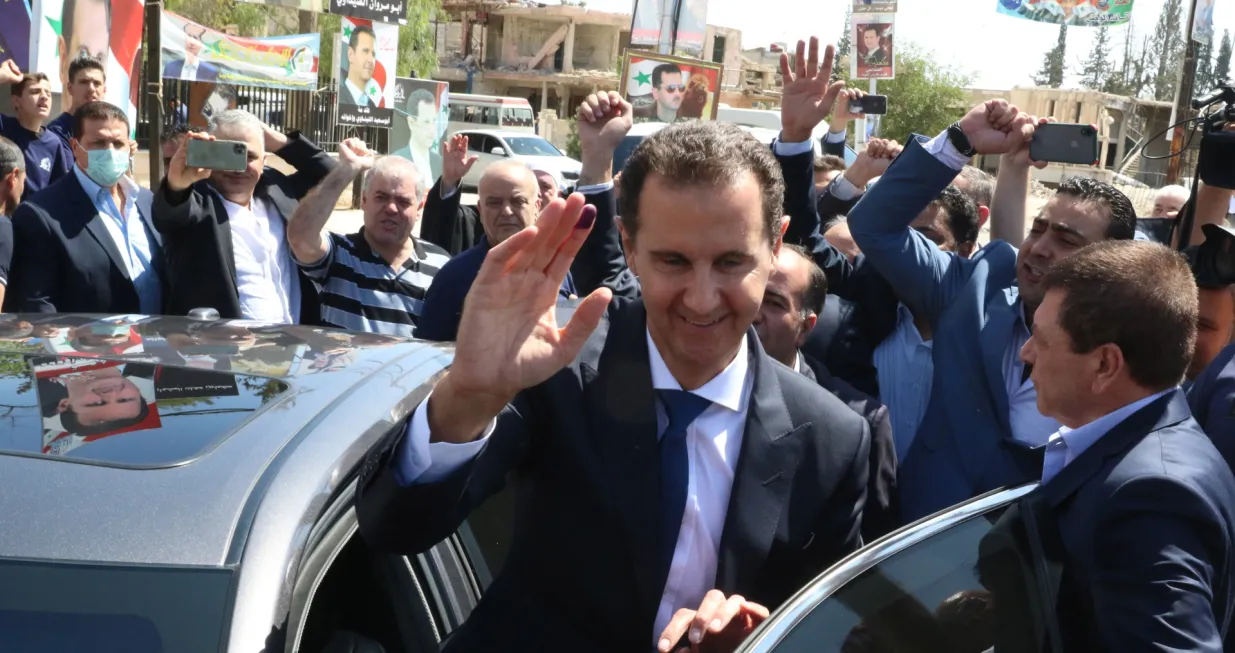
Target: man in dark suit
[(1212, 400), (225, 230), (361, 60), (447, 222), (1143, 503), (758, 479), (86, 244), (796, 296)]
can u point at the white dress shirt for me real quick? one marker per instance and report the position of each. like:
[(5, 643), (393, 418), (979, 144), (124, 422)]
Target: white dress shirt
[(189, 71), (266, 278), (713, 443)]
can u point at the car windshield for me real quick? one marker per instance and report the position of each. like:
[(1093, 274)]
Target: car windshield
[(530, 146), (47, 606)]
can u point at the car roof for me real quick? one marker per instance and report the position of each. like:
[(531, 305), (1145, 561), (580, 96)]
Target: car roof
[(239, 412), (504, 133)]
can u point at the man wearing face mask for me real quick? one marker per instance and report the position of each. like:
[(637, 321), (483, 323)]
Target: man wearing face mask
[(87, 241)]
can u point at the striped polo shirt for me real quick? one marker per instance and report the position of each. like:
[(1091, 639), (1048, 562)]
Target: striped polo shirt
[(359, 291)]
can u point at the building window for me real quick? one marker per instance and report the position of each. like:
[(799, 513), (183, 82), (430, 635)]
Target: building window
[(718, 49)]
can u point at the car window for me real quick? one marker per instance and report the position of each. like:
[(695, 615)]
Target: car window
[(528, 146), (478, 143), (967, 589)]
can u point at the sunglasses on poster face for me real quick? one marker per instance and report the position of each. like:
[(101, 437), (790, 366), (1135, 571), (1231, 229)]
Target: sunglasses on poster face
[(673, 88)]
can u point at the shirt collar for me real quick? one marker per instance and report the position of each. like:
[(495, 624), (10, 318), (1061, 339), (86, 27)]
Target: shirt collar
[(1079, 439), (797, 362), (726, 388), (357, 92), (361, 244)]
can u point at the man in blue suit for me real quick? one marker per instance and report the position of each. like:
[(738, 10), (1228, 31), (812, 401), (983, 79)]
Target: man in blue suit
[(192, 68), (1142, 504), (982, 429)]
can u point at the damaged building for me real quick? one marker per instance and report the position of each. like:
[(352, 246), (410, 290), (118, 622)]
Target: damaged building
[(552, 55)]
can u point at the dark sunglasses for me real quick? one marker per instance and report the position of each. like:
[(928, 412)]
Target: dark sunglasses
[(673, 88)]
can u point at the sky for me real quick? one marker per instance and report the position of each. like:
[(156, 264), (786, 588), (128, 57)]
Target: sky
[(1000, 52)]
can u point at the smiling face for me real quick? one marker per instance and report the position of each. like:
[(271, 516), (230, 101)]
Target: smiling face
[(509, 200), (101, 396), (703, 259), (1066, 224)]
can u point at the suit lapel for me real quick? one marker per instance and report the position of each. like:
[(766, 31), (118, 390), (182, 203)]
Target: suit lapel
[(762, 480), (145, 203), (621, 411), (96, 226), (1164, 412)]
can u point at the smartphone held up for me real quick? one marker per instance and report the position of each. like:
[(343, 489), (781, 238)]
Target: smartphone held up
[(1055, 142), (232, 156), (871, 105)]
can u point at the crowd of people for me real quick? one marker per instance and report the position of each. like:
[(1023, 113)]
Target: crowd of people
[(717, 375)]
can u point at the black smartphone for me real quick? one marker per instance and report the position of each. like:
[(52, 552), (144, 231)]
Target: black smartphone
[(218, 155), (1065, 143), (870, 105)]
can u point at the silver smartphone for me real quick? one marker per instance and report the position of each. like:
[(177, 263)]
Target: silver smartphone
[(218, 155)]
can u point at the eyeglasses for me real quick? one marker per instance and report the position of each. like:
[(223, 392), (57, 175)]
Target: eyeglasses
[(673, 88)]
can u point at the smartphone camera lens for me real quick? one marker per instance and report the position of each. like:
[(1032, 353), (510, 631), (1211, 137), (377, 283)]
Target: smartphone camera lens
[(238, 149), (1086, 131)]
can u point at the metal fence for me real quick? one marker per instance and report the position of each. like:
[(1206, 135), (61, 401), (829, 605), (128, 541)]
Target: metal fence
[(275, 107)]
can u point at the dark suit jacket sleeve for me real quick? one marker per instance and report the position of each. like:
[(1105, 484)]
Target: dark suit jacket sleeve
[(922, 276), (802, 207), (175, 210), (1159, 547), (311, 164), (601, 262), (447, 223), (844, 522), (411, 519), (439, 317), (882, 513), (1212, 400), (34, 276), (6, 249), (835, 149)]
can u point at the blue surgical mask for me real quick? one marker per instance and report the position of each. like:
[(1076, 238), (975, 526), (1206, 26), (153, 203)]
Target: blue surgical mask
[(106, 166)]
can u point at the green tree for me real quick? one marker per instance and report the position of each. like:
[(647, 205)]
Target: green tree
[(1129, 78), (1097, 68), (1204, 81), (1166, 49), (924, 98), (1222, 65), (573, 149), (1052, 71), (845, 44), (250, 19)]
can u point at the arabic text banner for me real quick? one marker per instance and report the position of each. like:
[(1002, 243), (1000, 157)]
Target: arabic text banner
[(1069, 12), (692, 27), (386, 11), (302, 5), (15, 32), (196, 53), (110, 32), (645, 23), (366, 72)]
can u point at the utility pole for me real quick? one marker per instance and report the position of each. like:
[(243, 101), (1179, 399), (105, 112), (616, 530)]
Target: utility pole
[(154, 89), (668, 25), (1183, 100)]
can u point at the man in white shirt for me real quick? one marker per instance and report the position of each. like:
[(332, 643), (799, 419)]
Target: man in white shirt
[(361, 59), (680, 482), (225, 230)]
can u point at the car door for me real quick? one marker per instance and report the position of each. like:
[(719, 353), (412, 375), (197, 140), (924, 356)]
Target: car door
[(969, 580)]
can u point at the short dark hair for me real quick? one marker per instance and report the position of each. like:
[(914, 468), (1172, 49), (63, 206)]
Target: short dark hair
[(85, 62), (19, 87), (97, 111), (68, 14), (415, 98), (180, 129), (1122, 213), (702, 153), (962, 214), (11, 157), (1139, 296), (356, 32), (664, 69), (872, 28), (817, 288), (980, 187), (829, 163), (71, 424)]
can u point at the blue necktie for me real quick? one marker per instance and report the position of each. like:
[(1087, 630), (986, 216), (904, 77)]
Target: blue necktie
[(682, 407)]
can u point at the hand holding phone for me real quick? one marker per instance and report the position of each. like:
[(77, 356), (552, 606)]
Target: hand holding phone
[(1064, 143), (231, 156), (870, 105)]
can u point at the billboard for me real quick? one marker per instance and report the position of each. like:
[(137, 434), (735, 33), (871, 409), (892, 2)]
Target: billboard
[(110, 30), (366, 72), (645, 22), (1203, 21), (669, 89), (1069, 12), (422, 111), (196, 53), (874, 55), (692, 26), (385, 11), (15, 32)]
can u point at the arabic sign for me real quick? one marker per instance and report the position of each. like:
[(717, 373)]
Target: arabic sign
[(197, 53), (692, 27), (15, 32), (645, 23), (367, 73), (422, 112), (874, 6), (670, 89), (1069, 12), (874, 56), (386, 11)]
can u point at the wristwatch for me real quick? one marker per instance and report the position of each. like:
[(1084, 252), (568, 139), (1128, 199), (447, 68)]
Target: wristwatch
[(958, 140)]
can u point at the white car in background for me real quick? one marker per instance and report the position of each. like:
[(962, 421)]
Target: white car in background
[(491, 146)]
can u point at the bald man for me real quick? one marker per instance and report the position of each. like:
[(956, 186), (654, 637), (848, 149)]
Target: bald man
[(510, 201)]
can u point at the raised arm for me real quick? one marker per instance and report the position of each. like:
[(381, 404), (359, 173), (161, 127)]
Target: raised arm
[(604, 120), (306, 232), (176, 204), (1009, 205), (442, 218), (311, 163), (922, 276)]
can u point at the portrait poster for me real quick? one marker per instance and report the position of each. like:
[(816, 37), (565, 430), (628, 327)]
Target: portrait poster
[(874, 55), (1203, 21), (1069, 12), (196, 53), (110, 30), (661, 88), (69, 391), (874, 6), (422, 112), (692, 27), (15, 32), (366, 74), (384, 11), (645, 22)]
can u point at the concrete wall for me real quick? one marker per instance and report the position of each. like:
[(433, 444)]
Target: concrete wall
[(528, 37), (596, 47)]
